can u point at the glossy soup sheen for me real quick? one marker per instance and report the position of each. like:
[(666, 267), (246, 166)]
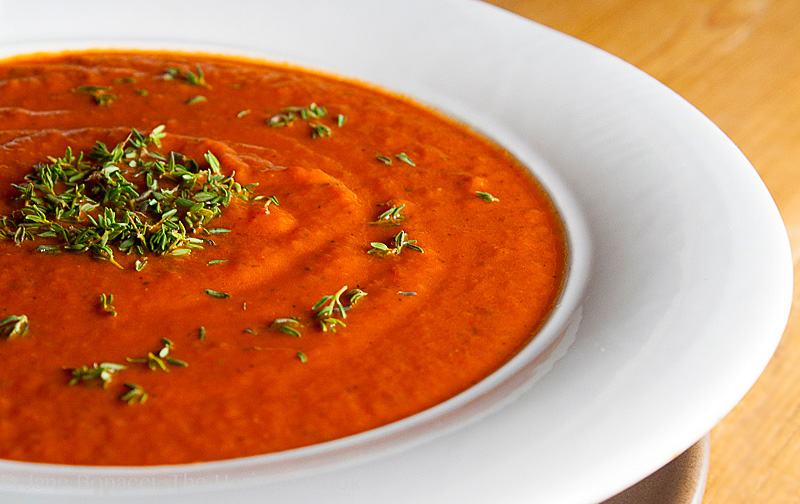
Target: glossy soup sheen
[(434, 321)]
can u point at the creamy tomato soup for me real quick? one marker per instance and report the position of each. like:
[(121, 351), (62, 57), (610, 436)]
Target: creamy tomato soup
[(206, 258)]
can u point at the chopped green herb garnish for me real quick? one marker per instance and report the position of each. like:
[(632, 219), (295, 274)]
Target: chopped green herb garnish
[(140, 264), (134, 394), (161, 358), (107, 304), (404, 293), (340, 120), (280, 120), (193, 78), (201, 333), (250, 331), (290, 326), (176, 362), (383, 159), (142, 92), (392, 217), (218, 295), (243, 113), (399, 241), (303, 358), (287, 116), (319, 130), (125, 80), (217, 261), (129, 198), (196, 99), (101, 94), (152, 360), (47, 249), (97, 372), (355, 296), (14, 326), (316, 111), (404, 158), (326, 309), (486, 196)]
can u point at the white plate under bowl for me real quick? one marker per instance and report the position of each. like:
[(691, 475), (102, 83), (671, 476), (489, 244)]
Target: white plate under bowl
[(688, 296)]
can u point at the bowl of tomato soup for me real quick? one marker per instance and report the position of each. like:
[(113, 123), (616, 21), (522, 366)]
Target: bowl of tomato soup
[(225, 266)]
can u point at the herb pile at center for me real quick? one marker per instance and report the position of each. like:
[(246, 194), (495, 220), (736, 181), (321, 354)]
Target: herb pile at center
[(129, 199)]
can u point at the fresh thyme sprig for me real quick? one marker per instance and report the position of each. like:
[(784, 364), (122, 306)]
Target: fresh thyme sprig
[(404, 158), (107, 304), (392, 217), (290, 326), (101, 94), (103, 373), (134, 394), (485, 196), (288, 115), (399, 241), (320, 130), (196, 99), (400, 157), (160, 359), (326, 309), (130, 199), (196, 78), (14, 326)]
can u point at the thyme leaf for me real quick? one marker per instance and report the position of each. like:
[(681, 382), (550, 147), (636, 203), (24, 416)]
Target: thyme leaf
[(404, 158), (14, 326), (391, 217), (134, 394), (196, 99), (103, 373), (399, 241), (290, 326), (107, 304), (320, 130), (329, 307), (287, 116), (485, 196), (160, 359), (101, 94), (196, 78)]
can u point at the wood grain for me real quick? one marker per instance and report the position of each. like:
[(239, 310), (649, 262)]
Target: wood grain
[(738, 61)]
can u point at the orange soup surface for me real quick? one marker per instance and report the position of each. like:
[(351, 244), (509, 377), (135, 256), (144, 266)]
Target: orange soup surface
[(205, 258)]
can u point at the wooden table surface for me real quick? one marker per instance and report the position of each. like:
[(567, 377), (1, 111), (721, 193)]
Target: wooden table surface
[(738, 61)]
